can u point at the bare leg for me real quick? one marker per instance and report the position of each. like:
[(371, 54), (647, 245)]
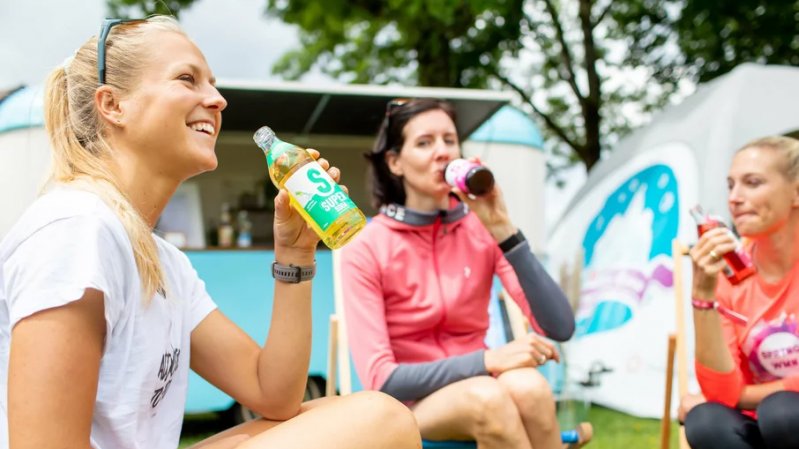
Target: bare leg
[(367, 420), (536, 404), (477, 409)]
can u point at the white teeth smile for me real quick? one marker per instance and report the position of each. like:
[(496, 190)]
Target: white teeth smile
[(203, 127)]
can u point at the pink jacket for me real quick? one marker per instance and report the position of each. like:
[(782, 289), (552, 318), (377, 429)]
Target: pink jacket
[(420, 293)]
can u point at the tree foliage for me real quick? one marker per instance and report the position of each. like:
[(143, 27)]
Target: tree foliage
[(711, 37), (588, 69), (430, 43)]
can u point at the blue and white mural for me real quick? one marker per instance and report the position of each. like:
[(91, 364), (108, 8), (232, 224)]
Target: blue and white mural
[(644, 212), (624, 227)]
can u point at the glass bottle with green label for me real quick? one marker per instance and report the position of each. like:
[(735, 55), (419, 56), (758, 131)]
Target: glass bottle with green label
[(315, 195)]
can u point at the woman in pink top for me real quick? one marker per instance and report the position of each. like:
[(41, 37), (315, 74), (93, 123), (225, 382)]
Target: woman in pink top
[(417, 284), (747, 362)]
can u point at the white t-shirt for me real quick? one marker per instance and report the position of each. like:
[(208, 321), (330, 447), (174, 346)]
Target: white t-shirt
[(70, 240)]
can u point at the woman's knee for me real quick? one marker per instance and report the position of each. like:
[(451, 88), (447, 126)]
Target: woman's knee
[(490, 406), (532, 395), (699, 424), (778, 419), (779, 403), (528, 385), (713, 425), (382, 410)]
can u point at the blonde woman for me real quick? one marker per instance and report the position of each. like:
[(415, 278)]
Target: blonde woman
[(100, 320), (747, 335)]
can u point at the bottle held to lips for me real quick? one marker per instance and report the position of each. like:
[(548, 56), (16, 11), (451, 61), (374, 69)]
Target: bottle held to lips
[(739, 264), (314, 194), (469, 176)]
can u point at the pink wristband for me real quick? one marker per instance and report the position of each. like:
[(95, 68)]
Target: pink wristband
[(736, 317), (703, 305)]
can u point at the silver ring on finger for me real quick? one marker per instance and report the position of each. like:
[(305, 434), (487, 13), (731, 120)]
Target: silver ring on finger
[(542, 360)]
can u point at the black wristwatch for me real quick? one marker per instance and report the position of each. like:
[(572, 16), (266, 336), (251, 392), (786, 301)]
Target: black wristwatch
[(511, 242), (292, 274)]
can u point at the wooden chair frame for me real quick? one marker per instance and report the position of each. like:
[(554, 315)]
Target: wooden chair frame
[(676, 347)]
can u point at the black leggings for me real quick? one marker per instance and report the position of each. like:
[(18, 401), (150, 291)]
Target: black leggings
[(715, 426)]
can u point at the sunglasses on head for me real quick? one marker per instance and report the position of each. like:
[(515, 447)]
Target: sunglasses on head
[(105, 30), (395, 104)]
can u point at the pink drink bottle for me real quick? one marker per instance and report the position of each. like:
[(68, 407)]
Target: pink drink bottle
[(739, 264), (470, 177)]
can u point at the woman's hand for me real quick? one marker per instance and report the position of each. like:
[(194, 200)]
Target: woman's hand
[(292, 233), (490, 209), (708, 262), (526, 351)]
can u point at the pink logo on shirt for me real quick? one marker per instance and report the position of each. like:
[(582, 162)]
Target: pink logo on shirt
[(772, 349)]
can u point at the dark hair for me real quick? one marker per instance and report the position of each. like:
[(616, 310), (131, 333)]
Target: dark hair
[(385, 187)]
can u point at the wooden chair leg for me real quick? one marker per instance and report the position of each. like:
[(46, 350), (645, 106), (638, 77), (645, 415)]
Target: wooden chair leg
[(665, 421), (679, 251), (332, 357)]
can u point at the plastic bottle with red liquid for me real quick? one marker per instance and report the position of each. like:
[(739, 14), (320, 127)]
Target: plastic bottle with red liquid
[(739, 264)]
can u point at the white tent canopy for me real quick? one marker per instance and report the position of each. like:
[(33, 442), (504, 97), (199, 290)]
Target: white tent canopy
[(623, 220), (750, 102)]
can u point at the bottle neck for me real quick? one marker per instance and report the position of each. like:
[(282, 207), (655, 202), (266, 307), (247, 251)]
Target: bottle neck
[(275, 142), (698, 215)]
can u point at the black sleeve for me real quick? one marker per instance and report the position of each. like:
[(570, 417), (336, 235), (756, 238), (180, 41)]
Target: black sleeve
[(547, 302), (412, 381)]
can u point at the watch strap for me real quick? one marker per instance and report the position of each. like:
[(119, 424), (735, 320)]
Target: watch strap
[(511, 242), (292, 274)]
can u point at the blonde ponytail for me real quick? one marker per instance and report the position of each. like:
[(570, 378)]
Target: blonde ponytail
[(81, 156)]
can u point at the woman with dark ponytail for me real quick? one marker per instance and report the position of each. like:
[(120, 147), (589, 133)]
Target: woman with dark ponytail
[(101, 320), (417, 283)]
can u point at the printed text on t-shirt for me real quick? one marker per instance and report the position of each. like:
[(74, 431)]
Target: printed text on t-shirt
[(169, 364)]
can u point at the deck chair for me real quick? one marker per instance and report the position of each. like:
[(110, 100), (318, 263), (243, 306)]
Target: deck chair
[(676, 347), (339, 369)]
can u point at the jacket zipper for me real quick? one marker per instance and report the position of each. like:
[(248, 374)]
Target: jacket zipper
[(436, 227)]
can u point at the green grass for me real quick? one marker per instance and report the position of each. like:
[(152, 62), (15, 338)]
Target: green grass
[(612, 430), (615, 430)]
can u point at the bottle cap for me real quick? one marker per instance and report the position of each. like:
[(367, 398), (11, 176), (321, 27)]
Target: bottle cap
[(264, 137), (469, 176), (480, 180), (698, 214)]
